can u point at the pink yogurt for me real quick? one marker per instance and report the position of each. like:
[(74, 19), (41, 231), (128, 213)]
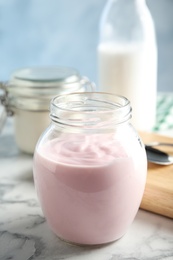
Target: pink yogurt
[(90, 187)]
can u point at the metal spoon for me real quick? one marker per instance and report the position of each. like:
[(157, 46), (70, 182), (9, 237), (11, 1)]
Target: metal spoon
[(156, 156)]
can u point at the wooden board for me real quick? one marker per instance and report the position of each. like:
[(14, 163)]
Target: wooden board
[(158, 194)]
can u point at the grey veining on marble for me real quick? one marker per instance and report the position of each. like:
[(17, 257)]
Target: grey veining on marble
[(25, 235)]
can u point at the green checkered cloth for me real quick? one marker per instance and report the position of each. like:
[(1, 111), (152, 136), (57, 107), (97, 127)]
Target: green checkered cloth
[(164, 116)]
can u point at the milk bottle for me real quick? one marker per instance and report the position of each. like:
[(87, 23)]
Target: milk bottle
[(127, 57)]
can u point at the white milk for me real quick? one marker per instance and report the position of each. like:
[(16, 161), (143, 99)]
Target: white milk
[(29, 125), (131, 72)]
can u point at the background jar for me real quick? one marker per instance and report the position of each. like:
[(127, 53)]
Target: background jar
[(28, 94), (90, 168)]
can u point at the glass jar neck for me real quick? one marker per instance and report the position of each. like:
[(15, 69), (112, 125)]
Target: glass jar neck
[(90, 111)]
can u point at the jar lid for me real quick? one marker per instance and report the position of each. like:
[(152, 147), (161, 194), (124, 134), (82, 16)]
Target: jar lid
[(33, 88), (47, 81)]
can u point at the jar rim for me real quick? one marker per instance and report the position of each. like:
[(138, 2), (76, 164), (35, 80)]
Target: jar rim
[(89, 108)]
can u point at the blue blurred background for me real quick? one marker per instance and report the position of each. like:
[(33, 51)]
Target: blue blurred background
[(65, 32)]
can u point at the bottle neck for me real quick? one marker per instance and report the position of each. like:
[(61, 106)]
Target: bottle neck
[(125, 21), (127, 7), (128, 2), (90, 111)]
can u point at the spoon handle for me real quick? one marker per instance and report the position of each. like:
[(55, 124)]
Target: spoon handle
[(159, 144)]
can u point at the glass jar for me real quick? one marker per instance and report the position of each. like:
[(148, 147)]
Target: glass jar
[(27, 97), (90, 168)]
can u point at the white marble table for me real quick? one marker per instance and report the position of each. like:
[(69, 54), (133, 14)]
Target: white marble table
[(24, 234)]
